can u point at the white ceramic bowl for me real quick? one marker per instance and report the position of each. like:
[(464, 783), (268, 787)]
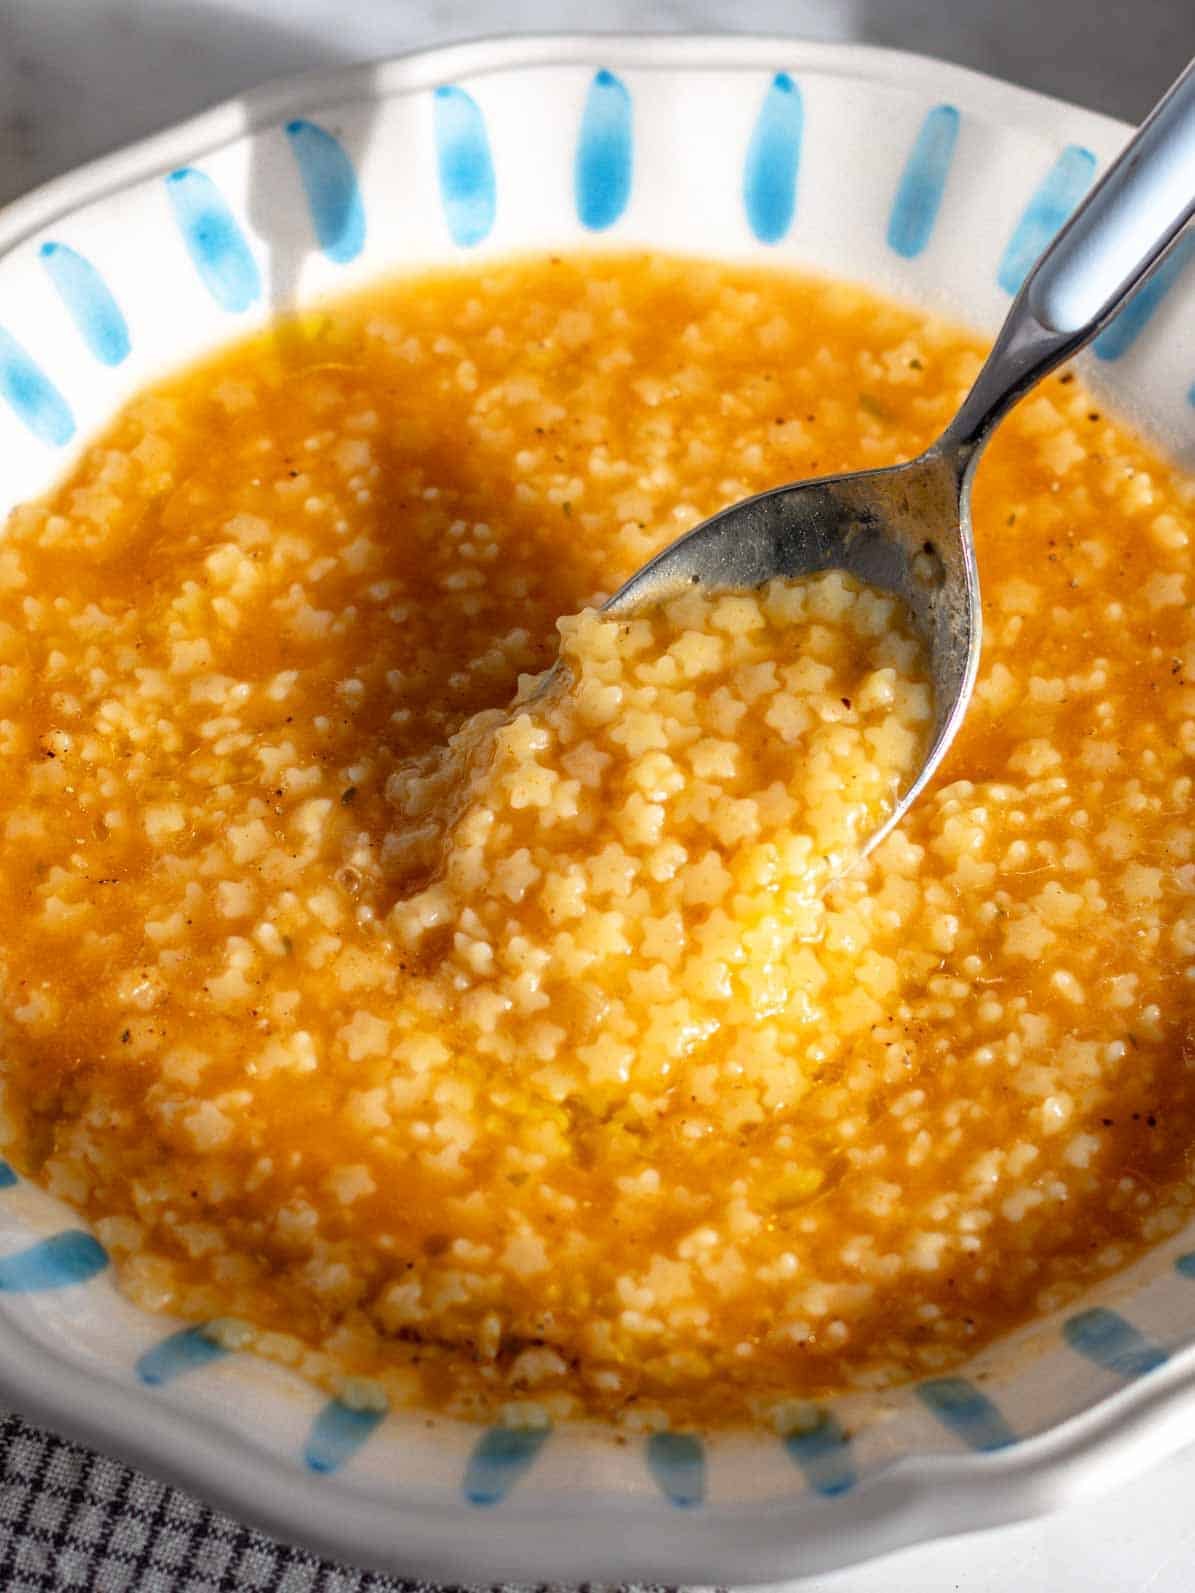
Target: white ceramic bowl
[(922, 180)]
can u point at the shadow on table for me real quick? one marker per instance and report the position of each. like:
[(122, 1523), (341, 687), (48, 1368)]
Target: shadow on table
[(79, 80)]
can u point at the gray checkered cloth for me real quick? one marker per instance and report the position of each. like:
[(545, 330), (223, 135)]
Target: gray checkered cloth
[(70, 1518)]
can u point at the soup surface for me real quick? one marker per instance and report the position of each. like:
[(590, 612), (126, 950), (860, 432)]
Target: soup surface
[(555, 1059)]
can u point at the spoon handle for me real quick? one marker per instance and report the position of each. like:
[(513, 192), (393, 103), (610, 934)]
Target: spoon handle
[(1128, 221)]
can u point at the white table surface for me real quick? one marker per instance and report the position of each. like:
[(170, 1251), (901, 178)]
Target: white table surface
[(79, 77)]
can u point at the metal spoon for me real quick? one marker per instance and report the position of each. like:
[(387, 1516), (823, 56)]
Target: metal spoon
[(907, 528)]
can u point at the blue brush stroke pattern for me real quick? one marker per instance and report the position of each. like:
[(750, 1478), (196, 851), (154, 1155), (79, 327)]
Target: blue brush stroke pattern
[(7, 1177), (1120, 334), (677, 1462), (1191, 395), (1185, 1265), (89, 302), (1107, 1339), (184, 1351), (773, 159), (919, 195), (500, 1457), (32, 396), (823, 1453), (330, 183), (467, 187), (214, 241), (336, 1435), (968, 1414), (69, 1257), (605, 153), (1059, 191)]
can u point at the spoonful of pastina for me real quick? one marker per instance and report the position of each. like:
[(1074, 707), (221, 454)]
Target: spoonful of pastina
[(907, 528)]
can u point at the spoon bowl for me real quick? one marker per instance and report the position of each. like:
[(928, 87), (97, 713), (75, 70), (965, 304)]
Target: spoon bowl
[(904, 529)]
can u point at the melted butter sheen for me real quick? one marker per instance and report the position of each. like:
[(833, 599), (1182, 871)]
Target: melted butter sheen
[(557, 1056)]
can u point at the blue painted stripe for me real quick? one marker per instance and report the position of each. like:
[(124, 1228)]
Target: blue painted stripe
[(1059, 191), (330, 183), (7, 1177), (214, 241), (1191, 395), (967, 1413), (467, 187), (773, 158), (501, 1456), (823, 1453), (919, 194), (89, 302), (69, 1257), (32, 396), (1186, 1264), (336, 1435), (1120, 335), (605, 153), (677, 1462), (1107, 1339), (184, 1351)]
